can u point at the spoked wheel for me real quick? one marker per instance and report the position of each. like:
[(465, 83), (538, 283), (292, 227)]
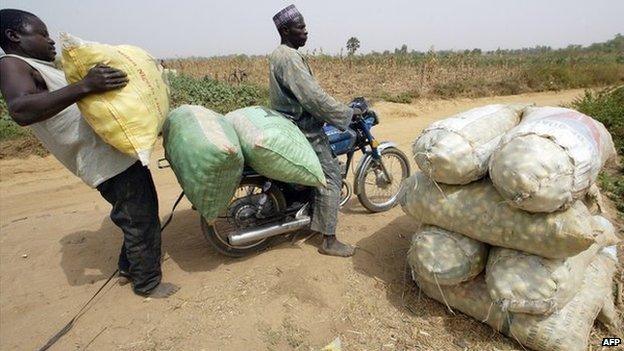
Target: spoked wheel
[(241, 215), (345, 192), (376, 191)]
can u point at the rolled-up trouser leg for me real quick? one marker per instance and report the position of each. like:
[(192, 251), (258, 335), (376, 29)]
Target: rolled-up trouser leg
[(135, 210), (326, 200)]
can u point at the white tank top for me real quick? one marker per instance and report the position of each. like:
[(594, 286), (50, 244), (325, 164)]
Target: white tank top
[(71, 140)]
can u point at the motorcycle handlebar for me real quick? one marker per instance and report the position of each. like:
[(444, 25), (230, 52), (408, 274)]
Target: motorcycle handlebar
[(359, 103), (360, 108)]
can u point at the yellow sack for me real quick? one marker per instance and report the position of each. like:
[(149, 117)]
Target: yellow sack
[(130, 118)]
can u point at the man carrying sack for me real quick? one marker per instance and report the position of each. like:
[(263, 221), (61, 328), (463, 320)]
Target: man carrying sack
[(38, 96)]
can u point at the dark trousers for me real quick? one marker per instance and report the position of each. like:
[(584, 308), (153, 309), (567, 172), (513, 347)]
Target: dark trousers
[(135, 210)]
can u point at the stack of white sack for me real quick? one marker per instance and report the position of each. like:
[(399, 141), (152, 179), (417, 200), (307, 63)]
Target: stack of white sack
[(446, 258), (540, 277), (567, 329), (550, 159), (456, 150)]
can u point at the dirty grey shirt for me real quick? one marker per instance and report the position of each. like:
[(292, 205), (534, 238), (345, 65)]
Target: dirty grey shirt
[(294, 91)]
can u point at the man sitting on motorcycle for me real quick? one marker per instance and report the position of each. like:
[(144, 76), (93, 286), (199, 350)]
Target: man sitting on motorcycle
[(295, 92)]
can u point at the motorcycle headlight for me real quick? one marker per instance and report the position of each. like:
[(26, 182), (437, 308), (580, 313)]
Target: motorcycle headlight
[(373, 116)]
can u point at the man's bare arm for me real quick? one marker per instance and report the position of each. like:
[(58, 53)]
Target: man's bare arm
[(28, 105)]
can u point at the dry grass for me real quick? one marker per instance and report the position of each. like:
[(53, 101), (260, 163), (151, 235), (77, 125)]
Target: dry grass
[(346, 77), (402, 78)]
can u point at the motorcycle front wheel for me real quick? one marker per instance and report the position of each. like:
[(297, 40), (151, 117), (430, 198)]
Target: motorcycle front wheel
[(240, 215), (376, 192)]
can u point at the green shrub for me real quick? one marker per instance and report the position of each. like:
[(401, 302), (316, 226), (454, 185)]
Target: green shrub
[(450, 90), (612, 184), (405, 97), (607, 106), (8, 128), (215, 95), (478, 88)]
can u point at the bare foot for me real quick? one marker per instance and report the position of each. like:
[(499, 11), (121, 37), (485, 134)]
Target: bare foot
[(123, 281), (332, 247), (124, 278), (162, 291)]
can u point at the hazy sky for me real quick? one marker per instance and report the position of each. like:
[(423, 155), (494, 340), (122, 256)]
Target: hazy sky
[(183, 28)]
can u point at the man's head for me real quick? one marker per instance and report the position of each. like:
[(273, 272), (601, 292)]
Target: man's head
[(24, 34), (291, 27)]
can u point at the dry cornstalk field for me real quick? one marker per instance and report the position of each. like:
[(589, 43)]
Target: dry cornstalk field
[(402, 77)]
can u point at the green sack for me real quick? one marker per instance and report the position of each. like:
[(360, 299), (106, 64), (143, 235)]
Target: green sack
[(204, 152), (275, 147)]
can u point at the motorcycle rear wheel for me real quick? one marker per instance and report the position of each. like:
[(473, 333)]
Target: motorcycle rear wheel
[(245, 197)]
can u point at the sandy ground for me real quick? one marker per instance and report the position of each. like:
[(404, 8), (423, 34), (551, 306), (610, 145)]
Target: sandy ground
[(57, 246)]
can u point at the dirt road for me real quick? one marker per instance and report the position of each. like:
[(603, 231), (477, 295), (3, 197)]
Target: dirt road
[(57, 246)]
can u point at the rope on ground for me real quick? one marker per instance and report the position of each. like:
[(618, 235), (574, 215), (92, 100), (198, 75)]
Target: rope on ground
[(70, 324), (95, 337), (56, 337)]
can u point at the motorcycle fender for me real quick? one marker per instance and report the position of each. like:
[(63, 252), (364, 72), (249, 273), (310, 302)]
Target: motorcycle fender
[(365, 160)]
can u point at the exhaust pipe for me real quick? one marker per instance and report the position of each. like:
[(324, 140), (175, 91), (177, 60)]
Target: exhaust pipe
[(268, 231)]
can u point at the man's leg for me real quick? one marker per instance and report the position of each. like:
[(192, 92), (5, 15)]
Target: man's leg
[(327, 200), (124, 266), (135, 210)]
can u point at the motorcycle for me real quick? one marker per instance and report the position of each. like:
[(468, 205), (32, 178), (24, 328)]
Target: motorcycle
[(263, 209)]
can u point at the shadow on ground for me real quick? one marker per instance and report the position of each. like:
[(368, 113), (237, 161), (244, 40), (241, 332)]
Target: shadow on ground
[(353, 206), (383, 257), (91, 256)]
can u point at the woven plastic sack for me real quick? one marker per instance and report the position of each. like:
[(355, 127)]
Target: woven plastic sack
[(550, 159), (524, 283), (565, 330), (569, 328), (594, 201), (478, 211), (608, 315), (274, 147), (130, 118), (456, 150), (205, 155), (444, 257)]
